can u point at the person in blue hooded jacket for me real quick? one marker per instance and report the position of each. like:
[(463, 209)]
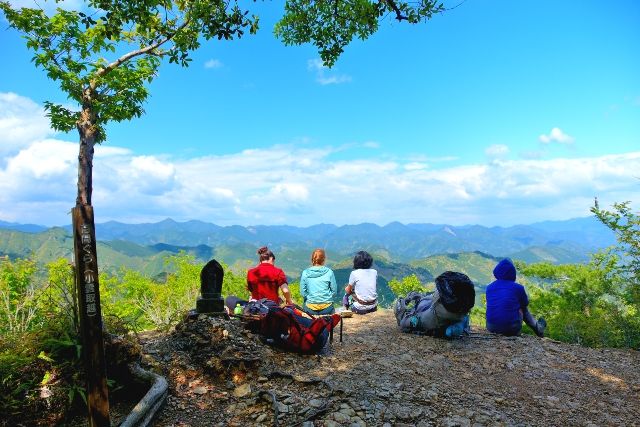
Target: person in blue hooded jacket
[(507, 303), (318, 286)]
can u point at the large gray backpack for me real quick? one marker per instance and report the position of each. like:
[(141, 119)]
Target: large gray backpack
[(432, 312)]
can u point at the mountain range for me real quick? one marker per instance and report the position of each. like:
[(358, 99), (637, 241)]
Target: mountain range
[(398, 249)]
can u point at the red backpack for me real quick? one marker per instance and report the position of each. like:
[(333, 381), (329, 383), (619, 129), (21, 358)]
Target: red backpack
[(292, 332)]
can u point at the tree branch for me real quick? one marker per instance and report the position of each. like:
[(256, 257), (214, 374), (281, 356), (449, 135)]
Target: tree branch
[(399, 16), (147, 49)]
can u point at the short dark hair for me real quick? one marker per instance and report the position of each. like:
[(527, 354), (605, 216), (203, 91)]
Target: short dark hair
[(362, 260)]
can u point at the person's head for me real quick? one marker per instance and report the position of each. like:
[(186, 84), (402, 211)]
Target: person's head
[(505, 270), (266, 255), (362, 260), (317, 257)]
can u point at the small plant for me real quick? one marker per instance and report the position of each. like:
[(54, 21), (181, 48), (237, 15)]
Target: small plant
[(406, 285)]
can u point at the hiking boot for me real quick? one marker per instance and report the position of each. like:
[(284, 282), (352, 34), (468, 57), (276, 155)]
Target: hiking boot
[(540, 327), (455, 330), (399, 309)]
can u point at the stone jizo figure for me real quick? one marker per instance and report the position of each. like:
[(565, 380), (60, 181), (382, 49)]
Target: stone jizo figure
[(211, 300)]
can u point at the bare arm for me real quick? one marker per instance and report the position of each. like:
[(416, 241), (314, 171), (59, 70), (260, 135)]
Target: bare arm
[(287, 293)]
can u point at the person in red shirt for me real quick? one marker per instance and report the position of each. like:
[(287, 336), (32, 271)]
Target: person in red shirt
[(264, 280)]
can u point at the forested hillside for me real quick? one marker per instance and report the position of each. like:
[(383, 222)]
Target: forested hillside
[(143, 246)]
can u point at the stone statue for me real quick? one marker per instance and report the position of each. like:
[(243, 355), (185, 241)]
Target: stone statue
[(211, 300)]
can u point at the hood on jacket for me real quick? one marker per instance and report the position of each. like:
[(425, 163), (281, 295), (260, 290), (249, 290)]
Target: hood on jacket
[(317, 271), (505, 270)]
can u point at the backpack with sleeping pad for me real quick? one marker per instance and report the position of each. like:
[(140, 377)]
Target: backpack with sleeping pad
[(442, 313), (286, 328)]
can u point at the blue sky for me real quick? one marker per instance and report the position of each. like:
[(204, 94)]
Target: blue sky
[(495, 112)]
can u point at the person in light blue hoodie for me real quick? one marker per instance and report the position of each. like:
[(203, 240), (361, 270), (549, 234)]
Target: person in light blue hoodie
[(318, 286)]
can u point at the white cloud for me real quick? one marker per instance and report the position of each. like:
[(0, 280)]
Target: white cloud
[(213, 63), (371, 144), (414, 166), (21, 122), (326, 75), (292, 192), (556, 135), (497, 151), (303, 184)]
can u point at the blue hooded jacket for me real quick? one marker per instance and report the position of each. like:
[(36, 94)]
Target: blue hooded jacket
[(505, 298), (318, 285)]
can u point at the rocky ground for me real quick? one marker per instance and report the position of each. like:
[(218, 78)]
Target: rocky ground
[(220, 374)]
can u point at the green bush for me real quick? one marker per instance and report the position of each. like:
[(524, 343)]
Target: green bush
[(39, 353), (583, 304), (406, 285)]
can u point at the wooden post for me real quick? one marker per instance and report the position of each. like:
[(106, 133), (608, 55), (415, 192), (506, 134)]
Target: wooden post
[(84, 243)]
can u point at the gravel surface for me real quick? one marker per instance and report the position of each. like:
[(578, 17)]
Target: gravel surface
[(219, 374)]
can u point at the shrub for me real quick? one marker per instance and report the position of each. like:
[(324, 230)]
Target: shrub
[(407, 284)]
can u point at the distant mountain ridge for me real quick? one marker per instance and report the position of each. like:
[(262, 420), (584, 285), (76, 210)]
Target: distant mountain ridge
[(399, 250), (554, 241)]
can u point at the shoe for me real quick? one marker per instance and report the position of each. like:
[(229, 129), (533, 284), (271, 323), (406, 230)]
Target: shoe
[(541, 325), (455, 330), (399, 309)]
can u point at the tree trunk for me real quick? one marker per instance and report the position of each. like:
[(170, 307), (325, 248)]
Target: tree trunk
[(87, 130), (86, 271)]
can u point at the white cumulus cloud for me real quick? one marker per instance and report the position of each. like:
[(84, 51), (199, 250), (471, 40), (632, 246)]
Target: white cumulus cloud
[(22, 121), (325, 75), (302, 184), (496, 151), (556, 135), (213, 63)]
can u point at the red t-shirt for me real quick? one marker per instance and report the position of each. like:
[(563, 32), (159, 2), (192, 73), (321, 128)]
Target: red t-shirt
[(264, 280)]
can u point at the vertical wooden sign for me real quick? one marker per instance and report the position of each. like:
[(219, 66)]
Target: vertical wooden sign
[(84, 243)]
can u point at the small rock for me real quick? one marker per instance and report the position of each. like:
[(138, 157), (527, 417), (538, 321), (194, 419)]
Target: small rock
[(316, 403), (455, 421), (200, 390), (242, 390), (348, 412), (553, 399), (261, 418), (340, 417)]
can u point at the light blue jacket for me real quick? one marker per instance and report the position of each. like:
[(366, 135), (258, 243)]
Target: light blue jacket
[(318, 285)]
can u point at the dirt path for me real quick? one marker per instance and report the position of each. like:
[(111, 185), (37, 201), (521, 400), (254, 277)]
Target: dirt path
[(380, 376)]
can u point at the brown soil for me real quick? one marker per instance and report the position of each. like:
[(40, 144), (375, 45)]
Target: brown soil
[(220, 374)]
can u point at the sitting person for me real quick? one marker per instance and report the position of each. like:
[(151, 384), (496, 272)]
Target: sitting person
[(263, 281), (507, 303), (318, 286), (443, 312), (361, 294)]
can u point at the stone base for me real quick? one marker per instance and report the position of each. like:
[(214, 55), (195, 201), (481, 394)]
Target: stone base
[(210, 305)]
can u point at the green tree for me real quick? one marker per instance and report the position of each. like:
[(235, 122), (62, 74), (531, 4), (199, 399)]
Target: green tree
[(625, 256), (583, 304)]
